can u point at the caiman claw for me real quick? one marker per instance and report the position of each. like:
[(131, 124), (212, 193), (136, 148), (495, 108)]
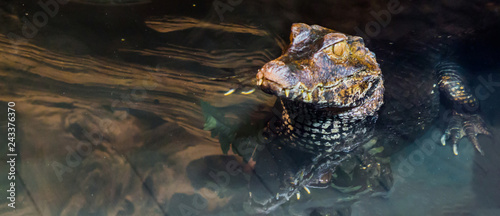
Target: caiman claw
[(461, 125)]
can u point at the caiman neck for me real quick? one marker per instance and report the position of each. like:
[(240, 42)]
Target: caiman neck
[(314, 129)]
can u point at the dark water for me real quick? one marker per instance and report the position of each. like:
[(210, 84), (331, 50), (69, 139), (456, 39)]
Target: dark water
[(108, 103)]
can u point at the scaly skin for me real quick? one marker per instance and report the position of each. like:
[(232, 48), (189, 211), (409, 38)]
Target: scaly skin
[(331, 120)]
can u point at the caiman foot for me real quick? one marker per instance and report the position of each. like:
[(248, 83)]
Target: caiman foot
[(461, 125)]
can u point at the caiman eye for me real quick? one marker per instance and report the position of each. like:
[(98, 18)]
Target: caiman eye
[(338, 52), (339, 48)]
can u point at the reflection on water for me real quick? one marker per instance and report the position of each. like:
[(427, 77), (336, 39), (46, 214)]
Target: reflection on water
[(109, 116)]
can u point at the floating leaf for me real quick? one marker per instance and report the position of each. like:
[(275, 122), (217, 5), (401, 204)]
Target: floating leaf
[(236, 126), (210, 123), (216, 123)]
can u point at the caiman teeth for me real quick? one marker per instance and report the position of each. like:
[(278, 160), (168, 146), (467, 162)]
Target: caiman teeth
[(308, 96), (301, 91), (260, 81)]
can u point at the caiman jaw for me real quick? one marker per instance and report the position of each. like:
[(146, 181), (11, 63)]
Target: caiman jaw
[(330, 94)]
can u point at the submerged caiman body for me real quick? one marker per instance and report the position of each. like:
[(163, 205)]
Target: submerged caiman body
[(343, 109)]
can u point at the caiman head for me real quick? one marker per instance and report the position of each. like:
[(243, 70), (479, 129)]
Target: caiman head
[(323, 67)]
